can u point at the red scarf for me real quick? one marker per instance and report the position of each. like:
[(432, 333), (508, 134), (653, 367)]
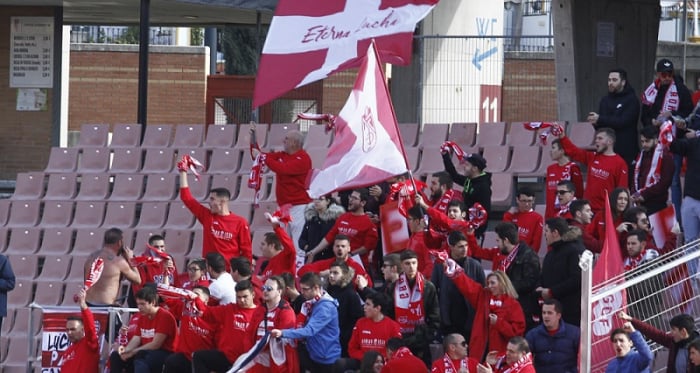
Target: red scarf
[(404, 192), (505, 263), (519, 365), (441, 204), (450, 366), (671, 100), (256, 171), (549, 127), (408, 303), (644, 256), (451, 145), (654, 174)]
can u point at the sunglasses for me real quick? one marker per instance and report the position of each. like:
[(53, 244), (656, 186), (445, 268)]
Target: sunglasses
[(267, 288), (562, 192), (463, 343)]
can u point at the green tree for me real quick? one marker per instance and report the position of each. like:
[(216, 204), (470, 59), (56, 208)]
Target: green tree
[(129, 36), (196, 36)]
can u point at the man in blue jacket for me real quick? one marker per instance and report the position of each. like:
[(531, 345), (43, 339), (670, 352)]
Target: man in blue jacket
[(627, 360), (320, 330), (554, 343)]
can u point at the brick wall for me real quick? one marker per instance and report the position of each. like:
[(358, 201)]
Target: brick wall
[(529, 88), (104, 84)]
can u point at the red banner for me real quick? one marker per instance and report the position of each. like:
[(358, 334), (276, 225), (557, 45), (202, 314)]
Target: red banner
[(54, 339), (394, 228)]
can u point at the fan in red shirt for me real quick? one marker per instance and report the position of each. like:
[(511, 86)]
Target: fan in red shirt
[(83, 354), (154, 339), (196, 274), (563, 169), (455, 359), (341, 248), (279, 250), (530, 223), (416, 242), (517, 359), (233, 335), (400, 359), (276, 314), (224, 232), (372, 331), (242, 269), (354, 224), (155, 265), (442, 224), (606, 170)]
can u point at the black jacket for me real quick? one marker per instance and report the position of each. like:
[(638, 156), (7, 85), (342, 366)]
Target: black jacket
[(456, 313), (620, 111), (562, 275), (316, 227), (475, 190), (689, 148), (524, 273), (349, 311)]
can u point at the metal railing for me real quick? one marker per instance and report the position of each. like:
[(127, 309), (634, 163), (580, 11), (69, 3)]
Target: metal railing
[(120, 35)]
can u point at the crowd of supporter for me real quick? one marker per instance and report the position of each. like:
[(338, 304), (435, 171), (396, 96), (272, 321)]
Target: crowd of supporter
[(325, 299)]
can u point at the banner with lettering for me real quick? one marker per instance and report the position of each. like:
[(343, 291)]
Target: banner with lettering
[(394, 228), (54, 340)]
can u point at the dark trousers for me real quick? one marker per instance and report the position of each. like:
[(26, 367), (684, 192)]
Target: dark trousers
[(177, 363), (205, 361), (308, 364), (150, 361)]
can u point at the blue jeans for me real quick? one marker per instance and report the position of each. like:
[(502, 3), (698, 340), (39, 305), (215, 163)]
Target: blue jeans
[(676, 191), (690, 210)]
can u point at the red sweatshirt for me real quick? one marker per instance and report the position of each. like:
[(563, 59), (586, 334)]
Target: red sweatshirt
[(370, 335), (360, 229), (235, 328), (281, 317), (530, 225), (285, 260), (605, 173), (228, 235), (324, 264), (555, 174), (84, 355), (163, 322), (291, 170), (195, 333)]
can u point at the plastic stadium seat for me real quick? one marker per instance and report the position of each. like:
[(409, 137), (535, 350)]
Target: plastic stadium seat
[(497, 158), (277, 133), (318, 156), (20, 324), (464, 134), (188, 136), (433, 134), (94, 160), (153, 215), (221, 136), (24, 214), (87, 241), (57, 214), (199, 154), (178, 242), (55, 268), (409, 133), (582, 134), (501, 189), (20, 296), (128, 236), (61, 187), (525, 159), (76, 271), (199, 188), (73, 285), (160, 188), (519, 136), (29, 185), (259, 223), (17, 353), (7, 323), (23, 241), (25, 267), (225, 161), (93, 135), (430, 161), (158, 161), (316, 137), (94, 187), (4, 210), (120, 214), (141, 239), (243, 140), (243, 209), (126, 160), (179, 216), (229, 182), (127, 187), (196, 251), (258, 237), (247, 194), (271, 185), (246, 163), (157, 136), (126, 136), (56, 241), (62, 160), (49, 293), (490, 134), (88, 214)]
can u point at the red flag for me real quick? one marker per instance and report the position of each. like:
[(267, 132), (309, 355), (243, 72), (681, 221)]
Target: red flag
[(608, 266), (367, 147), (309, 40)]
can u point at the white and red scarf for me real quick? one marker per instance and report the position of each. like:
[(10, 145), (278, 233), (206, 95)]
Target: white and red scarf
[(549, 127), (308, 306), (451, 145), (405, 193), (641, 258), (508, 260), (518, 366), (408, 303), (654, 174), (671, 100), (256, 170), (190, 164), (450, 366), (444, 200)]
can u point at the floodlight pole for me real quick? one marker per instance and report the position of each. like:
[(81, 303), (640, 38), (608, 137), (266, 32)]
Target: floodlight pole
[(144, 40)]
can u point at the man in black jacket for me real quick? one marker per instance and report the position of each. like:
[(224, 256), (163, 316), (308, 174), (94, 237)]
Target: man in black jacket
[(476, 183), (619, 110)]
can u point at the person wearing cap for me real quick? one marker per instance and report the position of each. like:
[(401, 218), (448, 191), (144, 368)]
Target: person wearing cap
[(476, 182), (619, 110), (667, 96)]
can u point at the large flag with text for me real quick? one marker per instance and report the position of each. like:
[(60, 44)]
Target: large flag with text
[(367, 147), (608, 266), (309, 40)]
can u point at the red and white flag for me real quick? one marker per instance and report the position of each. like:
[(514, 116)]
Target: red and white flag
[(604, 320), (367, 147), (309, 40)]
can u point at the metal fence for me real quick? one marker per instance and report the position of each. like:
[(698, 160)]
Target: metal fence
[(120, 35)]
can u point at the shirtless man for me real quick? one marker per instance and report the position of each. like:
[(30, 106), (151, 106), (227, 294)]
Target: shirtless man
[(117, 262)]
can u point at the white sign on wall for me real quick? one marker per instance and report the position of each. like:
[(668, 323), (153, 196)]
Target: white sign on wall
[(31, 52)]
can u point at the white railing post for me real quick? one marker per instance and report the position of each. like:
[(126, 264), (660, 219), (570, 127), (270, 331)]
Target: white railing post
[(586, 264)]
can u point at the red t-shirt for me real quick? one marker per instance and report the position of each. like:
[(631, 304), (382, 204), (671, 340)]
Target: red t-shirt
[(555, 174), (368, 335), (234, 328), (605, 173), (228, 235), (291, 170), (163, 322), (285, 260), (453, 366), (360, 229), (530, 225), (324, 264), (195, 333), (405, 364), (84, 355)]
